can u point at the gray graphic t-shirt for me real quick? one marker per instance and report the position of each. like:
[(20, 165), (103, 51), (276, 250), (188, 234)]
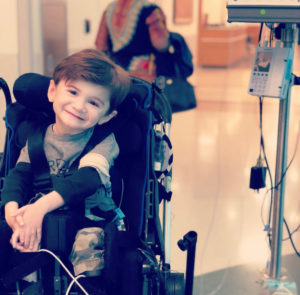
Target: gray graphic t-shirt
[(62, 150)]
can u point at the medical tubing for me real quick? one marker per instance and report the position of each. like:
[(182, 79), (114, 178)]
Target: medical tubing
[(65, 268)]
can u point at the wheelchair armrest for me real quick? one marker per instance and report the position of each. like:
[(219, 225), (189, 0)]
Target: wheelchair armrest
[(59, 230)]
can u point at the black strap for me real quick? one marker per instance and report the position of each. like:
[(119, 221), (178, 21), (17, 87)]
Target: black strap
[(38, 160)]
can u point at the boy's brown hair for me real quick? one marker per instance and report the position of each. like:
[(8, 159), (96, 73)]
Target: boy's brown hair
[(95, 66)]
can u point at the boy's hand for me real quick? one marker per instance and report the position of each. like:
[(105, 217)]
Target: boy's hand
[(15, 221), (28, 235), (15, 242), (10, 210)]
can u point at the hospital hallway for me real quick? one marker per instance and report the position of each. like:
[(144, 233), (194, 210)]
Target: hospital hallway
[(215, 146)]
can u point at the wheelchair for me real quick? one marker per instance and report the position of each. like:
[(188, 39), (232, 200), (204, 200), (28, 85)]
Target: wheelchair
[(135, 259)]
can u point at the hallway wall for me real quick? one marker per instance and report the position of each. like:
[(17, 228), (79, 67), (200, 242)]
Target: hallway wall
[(8, 51)]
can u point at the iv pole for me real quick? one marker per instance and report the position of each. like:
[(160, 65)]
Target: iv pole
[(258, 12), (287, 37)]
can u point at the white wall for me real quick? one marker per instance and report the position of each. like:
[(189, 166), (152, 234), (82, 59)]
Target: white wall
[(215, 10), (8, 40), (8, 53), (36, 31), (77, 12)]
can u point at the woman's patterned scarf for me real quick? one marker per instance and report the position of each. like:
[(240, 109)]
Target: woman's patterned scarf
[(122, 18)]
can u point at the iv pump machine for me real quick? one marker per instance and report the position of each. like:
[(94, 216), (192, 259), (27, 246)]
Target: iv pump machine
[(271, 72)]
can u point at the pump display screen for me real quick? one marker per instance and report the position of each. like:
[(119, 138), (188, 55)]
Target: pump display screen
[(263, 62)]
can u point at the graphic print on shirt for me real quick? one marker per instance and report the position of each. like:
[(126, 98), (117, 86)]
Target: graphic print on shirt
[(59, 167)]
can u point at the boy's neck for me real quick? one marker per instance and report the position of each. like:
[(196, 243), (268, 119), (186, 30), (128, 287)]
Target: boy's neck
[(59, 133)]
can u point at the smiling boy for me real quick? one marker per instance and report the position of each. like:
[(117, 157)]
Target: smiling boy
[(86, 89)]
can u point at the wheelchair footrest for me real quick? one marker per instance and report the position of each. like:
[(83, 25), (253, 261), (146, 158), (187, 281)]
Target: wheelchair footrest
[(34, 289), (28, 264)]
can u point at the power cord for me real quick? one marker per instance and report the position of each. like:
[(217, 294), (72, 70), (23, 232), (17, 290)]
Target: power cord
[(294, 231), (291, 238), (263, 151), (74, 279), (292, 159), (262, 148), (260, 33)]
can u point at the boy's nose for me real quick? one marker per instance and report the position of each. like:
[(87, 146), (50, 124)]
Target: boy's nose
[(79, 104)]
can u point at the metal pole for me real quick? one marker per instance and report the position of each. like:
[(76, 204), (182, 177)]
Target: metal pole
[(167, 212), (188, 243), (278, 203), (281, 163)]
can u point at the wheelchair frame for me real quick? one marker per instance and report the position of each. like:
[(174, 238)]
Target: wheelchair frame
[(157, 277)]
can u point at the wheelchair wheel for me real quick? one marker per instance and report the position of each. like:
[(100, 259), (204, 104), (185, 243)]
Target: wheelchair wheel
[(175, 284)]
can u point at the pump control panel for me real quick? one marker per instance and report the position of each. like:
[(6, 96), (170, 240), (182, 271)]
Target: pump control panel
[(271, 72)]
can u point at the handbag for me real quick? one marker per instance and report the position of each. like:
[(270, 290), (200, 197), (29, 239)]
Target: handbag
[(180, 94)]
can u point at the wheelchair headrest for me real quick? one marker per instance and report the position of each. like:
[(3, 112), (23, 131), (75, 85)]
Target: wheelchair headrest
[(30, 90)]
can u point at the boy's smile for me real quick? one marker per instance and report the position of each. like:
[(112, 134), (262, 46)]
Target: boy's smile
[(75, 115), (78, 105)]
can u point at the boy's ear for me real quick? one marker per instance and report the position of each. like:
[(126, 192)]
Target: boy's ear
[(51, 90), (107, 117)]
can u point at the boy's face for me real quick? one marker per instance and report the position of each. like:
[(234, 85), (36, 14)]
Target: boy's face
[(78, 105)]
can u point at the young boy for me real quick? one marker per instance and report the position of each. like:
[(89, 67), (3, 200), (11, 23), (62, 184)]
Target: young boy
[(86, 89)]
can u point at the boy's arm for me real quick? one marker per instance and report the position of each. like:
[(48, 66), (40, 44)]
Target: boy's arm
[(75, 188), (16, 186), (18, 182), (49, 202), (10, 210)]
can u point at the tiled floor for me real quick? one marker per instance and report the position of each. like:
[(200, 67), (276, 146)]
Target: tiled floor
[(215, 147)]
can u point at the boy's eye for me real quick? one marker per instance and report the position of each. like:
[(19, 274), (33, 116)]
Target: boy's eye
[(73, 92), (94, 103)]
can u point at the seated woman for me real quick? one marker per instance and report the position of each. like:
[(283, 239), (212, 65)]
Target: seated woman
[(135, 35)]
